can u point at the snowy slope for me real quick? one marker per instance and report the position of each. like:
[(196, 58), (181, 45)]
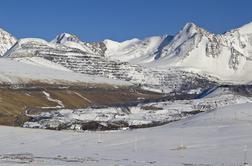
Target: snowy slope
[(38, 61), (136, 51), (17, 72), (219, 137), (6, 41)]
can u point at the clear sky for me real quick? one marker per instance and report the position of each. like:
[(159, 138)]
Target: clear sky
[(94, 20)]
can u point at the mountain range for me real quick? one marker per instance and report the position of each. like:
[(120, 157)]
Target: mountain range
[(227, 56), (69, 73)]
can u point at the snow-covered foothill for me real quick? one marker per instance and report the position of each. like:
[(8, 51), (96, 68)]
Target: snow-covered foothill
[(16, 72)]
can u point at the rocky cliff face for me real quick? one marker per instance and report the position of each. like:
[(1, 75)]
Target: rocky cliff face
[(6, 41)]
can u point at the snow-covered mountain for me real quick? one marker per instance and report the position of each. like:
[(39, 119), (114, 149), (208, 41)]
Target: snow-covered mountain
[(6, 41), (87, 62), (227, 56), (167, 63)]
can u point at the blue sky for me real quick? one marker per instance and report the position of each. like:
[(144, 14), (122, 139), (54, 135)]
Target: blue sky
[(94, 20)]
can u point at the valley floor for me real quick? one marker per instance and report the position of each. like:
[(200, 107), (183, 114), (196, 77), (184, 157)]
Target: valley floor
[(16, 100), (219, 137)]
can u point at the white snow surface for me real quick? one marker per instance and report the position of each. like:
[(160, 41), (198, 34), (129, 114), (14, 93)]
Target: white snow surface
[(49, 98), (38, 61), (219, 137), (135, 50), (16, 72)]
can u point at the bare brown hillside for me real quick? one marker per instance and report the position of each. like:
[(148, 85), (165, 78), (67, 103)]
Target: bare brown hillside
[(15, 100)]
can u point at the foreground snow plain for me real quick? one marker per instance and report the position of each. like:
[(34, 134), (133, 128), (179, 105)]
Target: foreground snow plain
[(219, 137)]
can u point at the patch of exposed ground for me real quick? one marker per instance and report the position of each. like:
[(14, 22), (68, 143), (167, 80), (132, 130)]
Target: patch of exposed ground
[(15, 100)]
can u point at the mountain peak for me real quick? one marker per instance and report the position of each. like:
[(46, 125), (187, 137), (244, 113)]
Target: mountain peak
[(192, 28), (6, 41), (66, 37)]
